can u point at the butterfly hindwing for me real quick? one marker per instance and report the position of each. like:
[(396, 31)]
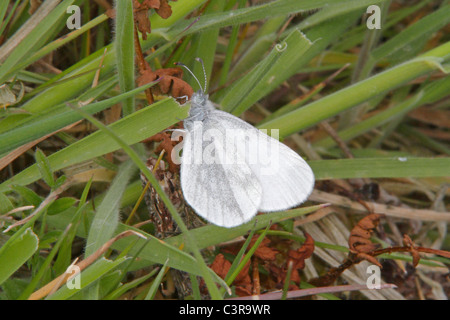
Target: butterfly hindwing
[(285, 178)]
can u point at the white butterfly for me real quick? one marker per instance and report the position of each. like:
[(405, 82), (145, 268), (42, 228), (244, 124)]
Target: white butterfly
[(230, 170)]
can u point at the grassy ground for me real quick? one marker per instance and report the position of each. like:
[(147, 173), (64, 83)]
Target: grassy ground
[(367, 107)]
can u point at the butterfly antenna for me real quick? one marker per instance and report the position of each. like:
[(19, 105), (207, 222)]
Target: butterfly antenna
[(204, 70), (184, 66)]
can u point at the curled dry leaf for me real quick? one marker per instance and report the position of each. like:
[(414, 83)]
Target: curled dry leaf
[(263, 252), (359, 242), (243, 284), (361, 248), (142, 13), (295, 259), (279, 275), (170, 82), (164, 10), (167, 144), (221, 265), (407, 242), (299, 256)]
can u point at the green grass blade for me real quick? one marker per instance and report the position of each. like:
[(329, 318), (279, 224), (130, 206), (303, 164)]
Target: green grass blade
[(124, 45), (33, 39), (59, 43), (203, 45), (400, 167), (264, 39), (231, 48), (232, 274), (290, 60), (114, 295), (157, 282), (44, 266), (40, 125), (430, 93), (107, 216), (89, 276), (17, 253), (150, 121), (346, 98), (210, 235), (424, 139), (400, 47), (274, 69), (44, 168), (335, 9)]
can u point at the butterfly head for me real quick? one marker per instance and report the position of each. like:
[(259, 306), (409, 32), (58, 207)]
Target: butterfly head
[(199, 99), (200, 103)]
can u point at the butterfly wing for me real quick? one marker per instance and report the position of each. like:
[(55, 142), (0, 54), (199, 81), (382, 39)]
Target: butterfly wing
[(286, 179), (223, 192)]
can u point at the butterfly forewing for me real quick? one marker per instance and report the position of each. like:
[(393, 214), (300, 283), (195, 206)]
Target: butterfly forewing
[(218, 183)]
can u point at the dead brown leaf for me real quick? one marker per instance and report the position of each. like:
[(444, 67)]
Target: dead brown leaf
[(221, 265), (437, 117), (263, 252), (165, 143), (142, 14), (243, 283), (170, 82), (407, 242), (164, 10), (359, 241), (299, 256)]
